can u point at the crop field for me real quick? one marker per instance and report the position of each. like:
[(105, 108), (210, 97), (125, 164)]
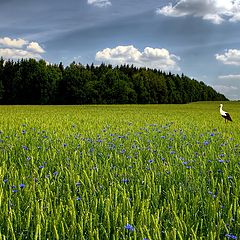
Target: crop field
[(120, 172)]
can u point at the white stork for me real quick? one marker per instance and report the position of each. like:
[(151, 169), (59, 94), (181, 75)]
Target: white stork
[(224, 114)]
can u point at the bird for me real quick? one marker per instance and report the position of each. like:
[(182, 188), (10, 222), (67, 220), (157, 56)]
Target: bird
[(225, 115)]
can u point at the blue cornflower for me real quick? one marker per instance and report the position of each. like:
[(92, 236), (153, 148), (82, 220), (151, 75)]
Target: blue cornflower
[(230, 236), (212, 134), (205, 143), (5, 180), (25, 147), (78, 198), (41, 166), (78, 184), (220, 160), (64, 144), (129, 227), (150, 161), (125, 180), (123, 151), (55, 173), (23, 131), (22, 185)]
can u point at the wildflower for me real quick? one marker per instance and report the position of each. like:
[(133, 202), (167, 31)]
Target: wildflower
[(230, 236), (220, 160), (150, 161), (25, 147), (123, 151), (41, 166), (55, 173), (212, 134), (22, 185), (129, 227), (23, 131), (125, 180), (205, 143), (5, 180), (78, 184), (78, 198)]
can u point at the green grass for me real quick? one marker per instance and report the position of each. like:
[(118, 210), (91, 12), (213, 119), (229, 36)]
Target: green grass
[(170, 171)]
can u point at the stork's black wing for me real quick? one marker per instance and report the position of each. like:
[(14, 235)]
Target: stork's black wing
[(228, 117)]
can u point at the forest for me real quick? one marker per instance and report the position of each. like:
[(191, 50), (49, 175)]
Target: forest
[(30, 81)]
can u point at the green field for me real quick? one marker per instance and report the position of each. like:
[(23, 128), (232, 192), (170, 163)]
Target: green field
[(119, 172)]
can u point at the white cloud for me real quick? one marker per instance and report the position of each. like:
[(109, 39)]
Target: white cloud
[(230, 77), (35, 47), (9, 53), (231, 92), (19, 48), (230, 57), (215, 11), (158, 58), (224, 89), (16, 43), (100, 3)]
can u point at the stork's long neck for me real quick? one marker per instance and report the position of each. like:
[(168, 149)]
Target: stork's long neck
[(221, 110)]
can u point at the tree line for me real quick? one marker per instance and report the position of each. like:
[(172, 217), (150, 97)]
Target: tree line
[(29, 81)]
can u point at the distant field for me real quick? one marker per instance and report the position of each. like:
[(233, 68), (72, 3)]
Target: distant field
[(119, 172)]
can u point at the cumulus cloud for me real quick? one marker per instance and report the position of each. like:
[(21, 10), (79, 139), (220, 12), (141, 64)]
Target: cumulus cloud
[(8, 53), (19, 48), (158, 58), (100, 3), (35, 47), (215, 11), (15, 43), (230, 57)]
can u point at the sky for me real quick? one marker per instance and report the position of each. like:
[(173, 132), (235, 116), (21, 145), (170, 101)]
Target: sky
[(199, 38)]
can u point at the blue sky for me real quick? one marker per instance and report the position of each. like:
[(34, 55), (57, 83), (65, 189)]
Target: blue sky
[(199, 38)]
